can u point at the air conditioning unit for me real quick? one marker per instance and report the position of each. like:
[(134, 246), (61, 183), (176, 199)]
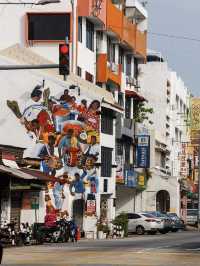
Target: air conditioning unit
[(114, 67)]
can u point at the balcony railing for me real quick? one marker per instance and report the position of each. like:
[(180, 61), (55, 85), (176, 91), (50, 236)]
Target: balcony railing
[(108, 71), (141, 43), (129, 33), (115, 22), (114, 19), (94, 9)]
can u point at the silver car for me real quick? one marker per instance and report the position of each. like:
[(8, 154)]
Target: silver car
[(143, 222)]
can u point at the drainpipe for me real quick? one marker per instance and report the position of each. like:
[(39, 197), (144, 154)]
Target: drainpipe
[(74, 33)]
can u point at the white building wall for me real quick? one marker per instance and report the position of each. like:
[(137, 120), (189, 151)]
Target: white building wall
[(86, 58), (155, 79)]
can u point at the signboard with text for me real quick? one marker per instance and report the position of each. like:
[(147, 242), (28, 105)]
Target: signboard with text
[(143, 151), (131, 178)]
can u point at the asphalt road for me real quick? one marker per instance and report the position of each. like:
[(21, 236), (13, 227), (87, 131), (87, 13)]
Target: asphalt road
[(177, 249)]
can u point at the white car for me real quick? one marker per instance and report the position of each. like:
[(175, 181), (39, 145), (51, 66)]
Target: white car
[(143, 222)]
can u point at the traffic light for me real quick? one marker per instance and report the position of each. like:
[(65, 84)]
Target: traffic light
[(64, 59)]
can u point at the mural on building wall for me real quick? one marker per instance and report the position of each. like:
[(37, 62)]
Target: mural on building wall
[(65, 133)]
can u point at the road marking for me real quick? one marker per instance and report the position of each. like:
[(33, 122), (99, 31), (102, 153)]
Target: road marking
[(193, 249)]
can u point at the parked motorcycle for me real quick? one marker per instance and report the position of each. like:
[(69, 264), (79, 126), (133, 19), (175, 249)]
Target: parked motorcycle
[(58, 233)]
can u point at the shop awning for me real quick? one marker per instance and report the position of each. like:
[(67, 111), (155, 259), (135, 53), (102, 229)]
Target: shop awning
[(26, 174), (114, 106), (135, 95)]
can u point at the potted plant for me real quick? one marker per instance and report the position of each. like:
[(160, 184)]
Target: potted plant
[(100, 232), (121, 221)]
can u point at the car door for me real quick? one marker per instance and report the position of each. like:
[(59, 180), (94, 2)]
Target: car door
[(133, 221), (130, 222), (137, 220)]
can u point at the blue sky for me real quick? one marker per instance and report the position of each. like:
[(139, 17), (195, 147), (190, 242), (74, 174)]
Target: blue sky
[(182, 18)]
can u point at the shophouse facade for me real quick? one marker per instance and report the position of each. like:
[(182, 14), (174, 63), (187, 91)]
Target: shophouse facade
[(104, 57)]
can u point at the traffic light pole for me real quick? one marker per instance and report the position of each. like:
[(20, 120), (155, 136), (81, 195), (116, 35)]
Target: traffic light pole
[(20, 67)]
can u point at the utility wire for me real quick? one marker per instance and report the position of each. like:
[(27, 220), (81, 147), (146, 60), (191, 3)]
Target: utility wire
[(174, 36)]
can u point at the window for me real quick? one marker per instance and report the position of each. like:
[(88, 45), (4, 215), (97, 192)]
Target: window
[(105, 185), (79, 71), (128, 108), (80, 29), (48, 26), (132, 216), (106, 122), (121, 99), (177, 102), (121, 58), (89, 35), (106, 162), (127, 147), (119, 148), (89, 77), (110, 50), (136, 71), (128, 65), (162, 160)]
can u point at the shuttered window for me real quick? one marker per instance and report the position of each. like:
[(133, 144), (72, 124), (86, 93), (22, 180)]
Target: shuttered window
[(106, 122), (106, 162)]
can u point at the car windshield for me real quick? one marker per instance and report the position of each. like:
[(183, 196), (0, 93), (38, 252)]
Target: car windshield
[(192, 212), (157, 214), (173, 215), (148, 215)]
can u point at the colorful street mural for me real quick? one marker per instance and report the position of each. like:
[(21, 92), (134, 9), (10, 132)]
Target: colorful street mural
[(65, 133)]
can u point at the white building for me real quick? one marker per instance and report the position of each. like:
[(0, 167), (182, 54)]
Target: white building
[(104, 52), (169, 98)]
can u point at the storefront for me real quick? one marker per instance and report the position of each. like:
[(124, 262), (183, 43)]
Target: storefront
[(21, 196)]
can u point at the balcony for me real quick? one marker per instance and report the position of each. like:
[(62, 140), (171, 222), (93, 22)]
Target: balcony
[(125, 127), (108, 71), (114, 20), (93, 9), (141, 43), (129, 33), (135, 10), (128, 128)]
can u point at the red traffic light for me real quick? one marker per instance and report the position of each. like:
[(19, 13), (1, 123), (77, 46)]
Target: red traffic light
[(64, 49)]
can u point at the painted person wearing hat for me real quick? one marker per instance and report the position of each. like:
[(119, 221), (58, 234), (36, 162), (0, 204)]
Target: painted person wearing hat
[(34, 105)]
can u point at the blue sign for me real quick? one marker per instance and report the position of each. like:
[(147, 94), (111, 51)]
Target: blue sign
[(143, 151), (131, 178)]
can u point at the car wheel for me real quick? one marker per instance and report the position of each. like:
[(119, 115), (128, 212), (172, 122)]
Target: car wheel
[(140, 230), (162, 231), (174, 230), (152, 232)]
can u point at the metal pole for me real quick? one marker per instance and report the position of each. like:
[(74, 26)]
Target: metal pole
[(199, 189), (19, 67)]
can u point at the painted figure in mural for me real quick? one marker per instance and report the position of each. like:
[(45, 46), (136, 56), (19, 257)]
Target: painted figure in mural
[(65, 97), (69, 148), (68, 127), (47, 156), (82, 107), (77, 185), (50, 217), (33, 106), (92, 116), (93, 148), (89, 175)]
